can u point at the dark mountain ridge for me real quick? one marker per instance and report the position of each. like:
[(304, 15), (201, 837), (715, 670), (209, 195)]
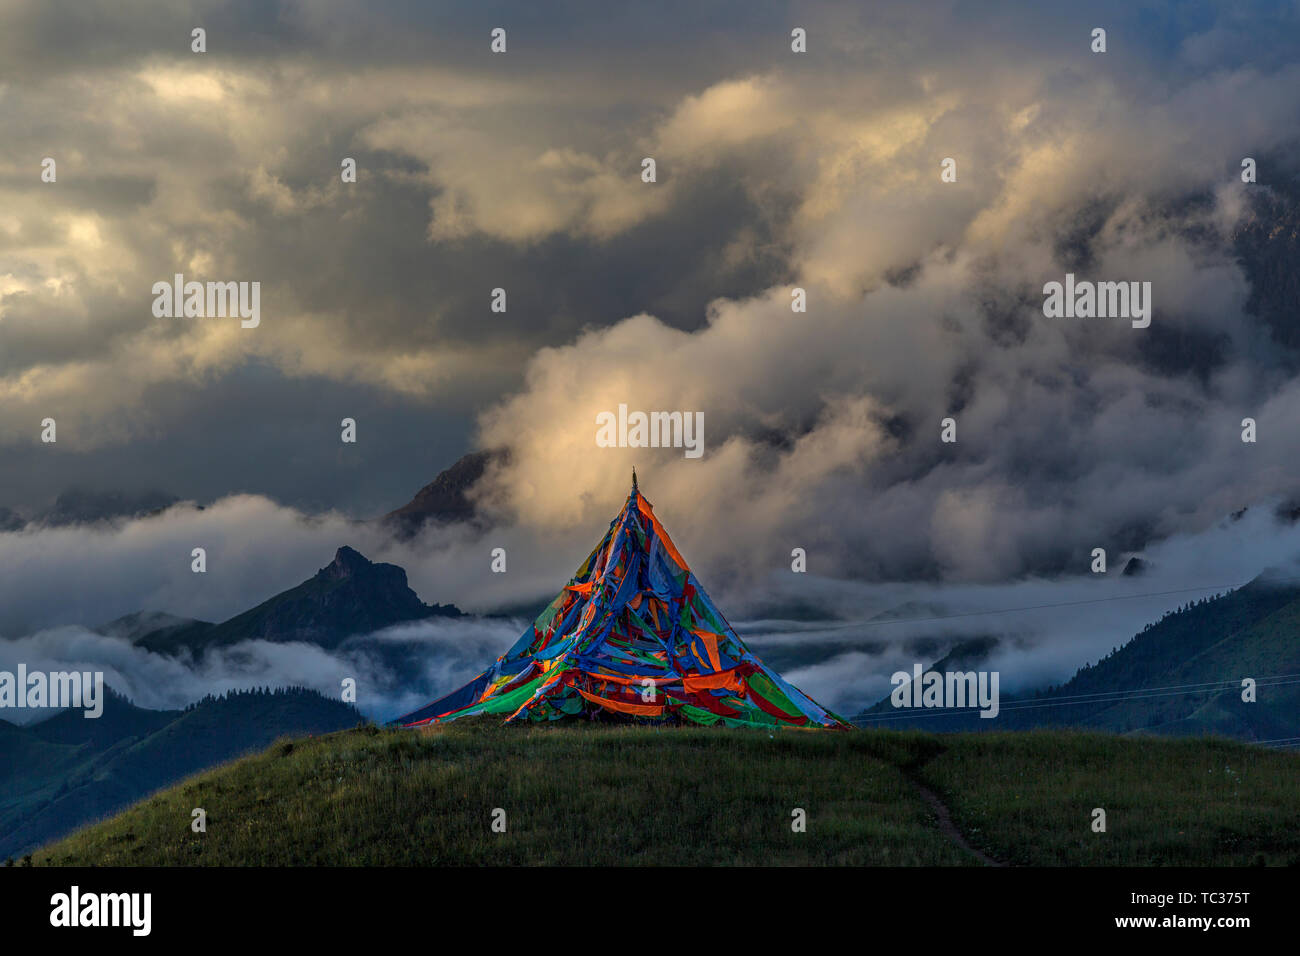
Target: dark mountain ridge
[(349, 596)]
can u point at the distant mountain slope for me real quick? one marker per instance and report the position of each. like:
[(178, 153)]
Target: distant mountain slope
[(1256, 634), (445, 499), (120, 719), (25, 761), (1267, 244), (77, 506), (1185, 671), (132, 627), (85, 506), (67, 771), (352, 595)]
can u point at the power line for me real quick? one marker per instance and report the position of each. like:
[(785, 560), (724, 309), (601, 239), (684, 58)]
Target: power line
[(1034, 607), (957, 712), (1121, 697), (1230, 683)]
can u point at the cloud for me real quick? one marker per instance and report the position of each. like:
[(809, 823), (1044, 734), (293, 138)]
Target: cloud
[(522, 172), (439, 657), (226, 166), (925, 302), (496, 182), (1046, 627)]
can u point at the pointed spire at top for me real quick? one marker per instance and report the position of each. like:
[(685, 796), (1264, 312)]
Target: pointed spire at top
[(634, 477)]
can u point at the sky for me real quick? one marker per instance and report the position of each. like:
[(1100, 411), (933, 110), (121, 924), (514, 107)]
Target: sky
[(522, 170)]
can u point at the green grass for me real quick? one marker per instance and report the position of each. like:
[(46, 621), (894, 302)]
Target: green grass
[(1027, 798), (600, 795)]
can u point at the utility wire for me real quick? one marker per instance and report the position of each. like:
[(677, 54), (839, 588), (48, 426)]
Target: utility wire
[(1121, 697), (1033, 607), (1229, 683)]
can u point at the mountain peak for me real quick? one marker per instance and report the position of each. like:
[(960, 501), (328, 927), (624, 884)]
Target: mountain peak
[(446, 499), (349, 564), (350, 596), (347, 561)]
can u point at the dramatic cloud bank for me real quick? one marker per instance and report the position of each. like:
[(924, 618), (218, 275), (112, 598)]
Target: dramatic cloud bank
[(1046, 628), (775, 170), (445, 655)]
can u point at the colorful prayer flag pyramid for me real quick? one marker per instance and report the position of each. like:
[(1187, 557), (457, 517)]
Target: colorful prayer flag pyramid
[(632, 636)]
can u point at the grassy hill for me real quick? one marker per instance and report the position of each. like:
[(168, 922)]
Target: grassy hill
[(67, 770), (604, 795)]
